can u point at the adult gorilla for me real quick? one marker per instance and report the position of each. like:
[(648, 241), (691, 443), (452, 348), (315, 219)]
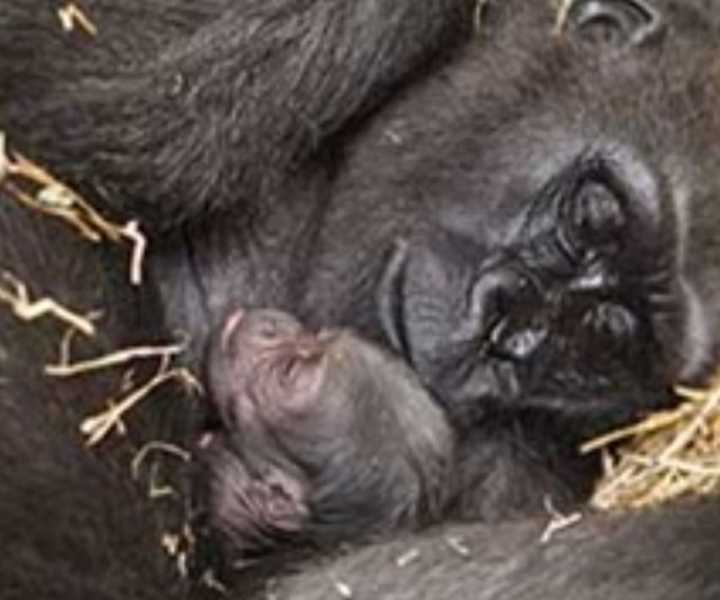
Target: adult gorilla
[(527, 219)]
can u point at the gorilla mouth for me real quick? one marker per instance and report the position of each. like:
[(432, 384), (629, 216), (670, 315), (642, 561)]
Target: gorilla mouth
[(579, 356)]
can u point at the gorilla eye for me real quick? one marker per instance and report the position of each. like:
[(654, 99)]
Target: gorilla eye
[(614, 22)]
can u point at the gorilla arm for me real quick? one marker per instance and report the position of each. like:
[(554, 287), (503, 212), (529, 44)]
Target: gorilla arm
[(74, 523), (223, 115), (664, 555)]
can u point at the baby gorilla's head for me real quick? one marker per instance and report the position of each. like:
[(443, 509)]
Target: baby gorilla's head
[(320, 437)]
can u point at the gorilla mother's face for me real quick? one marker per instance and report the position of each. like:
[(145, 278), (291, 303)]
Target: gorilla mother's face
[(545, 226)]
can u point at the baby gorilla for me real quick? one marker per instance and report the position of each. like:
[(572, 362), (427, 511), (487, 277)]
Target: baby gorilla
[(316, 438)]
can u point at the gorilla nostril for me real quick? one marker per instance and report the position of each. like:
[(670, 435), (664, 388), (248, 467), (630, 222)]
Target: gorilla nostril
[(611, 321), (517, 344), (491, 299), (495, 291), (597, 214)]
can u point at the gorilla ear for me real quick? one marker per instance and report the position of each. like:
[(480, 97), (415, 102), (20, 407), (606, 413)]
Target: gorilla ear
[(614, 22)]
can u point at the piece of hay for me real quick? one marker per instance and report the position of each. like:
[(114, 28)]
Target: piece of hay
[(97, 427), (558, 521), (156, 446), (70, 16), (31, 185), (670, 454), (479, 14), (17, 297), (66, 369), (563, 8), (4, 160)]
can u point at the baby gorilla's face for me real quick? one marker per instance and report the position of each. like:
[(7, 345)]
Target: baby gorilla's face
[(271, 371), (320, 437)]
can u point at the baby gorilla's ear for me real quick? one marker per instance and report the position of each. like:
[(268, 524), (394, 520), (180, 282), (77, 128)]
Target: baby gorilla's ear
[(254, 510)]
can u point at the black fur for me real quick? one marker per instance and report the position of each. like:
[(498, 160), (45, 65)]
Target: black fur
[(659, 555), (75, 524), (528, 219)]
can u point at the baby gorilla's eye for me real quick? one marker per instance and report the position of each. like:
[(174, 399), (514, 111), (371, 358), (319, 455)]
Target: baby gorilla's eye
[(267, 330), (275, 326)]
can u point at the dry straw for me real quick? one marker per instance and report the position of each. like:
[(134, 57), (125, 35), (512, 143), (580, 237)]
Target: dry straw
[(669, 455)]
